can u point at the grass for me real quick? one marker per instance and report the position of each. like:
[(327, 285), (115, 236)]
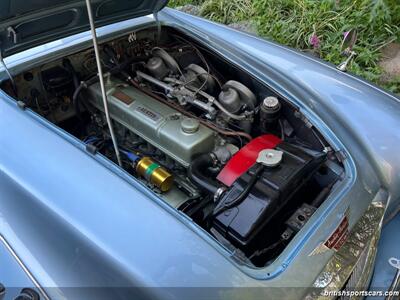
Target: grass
[(293, 22)]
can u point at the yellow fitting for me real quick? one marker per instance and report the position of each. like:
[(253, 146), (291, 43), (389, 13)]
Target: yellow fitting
[(155, 174)]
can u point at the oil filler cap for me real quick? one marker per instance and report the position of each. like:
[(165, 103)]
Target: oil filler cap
[(271, 103), (190, 125), (270, 157)]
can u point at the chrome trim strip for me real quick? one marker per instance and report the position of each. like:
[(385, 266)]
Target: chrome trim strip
[(24, 268)]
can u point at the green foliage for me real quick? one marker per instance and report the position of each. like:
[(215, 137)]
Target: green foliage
[(293, 22), (176, 3), (227, 11)]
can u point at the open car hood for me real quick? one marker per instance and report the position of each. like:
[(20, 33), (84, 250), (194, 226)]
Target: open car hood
[(28, 23)]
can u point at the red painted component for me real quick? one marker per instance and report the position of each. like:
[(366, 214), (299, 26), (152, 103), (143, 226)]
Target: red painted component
[(246, 157)]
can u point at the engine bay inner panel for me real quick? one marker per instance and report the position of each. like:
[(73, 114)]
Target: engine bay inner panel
[(213, 142)]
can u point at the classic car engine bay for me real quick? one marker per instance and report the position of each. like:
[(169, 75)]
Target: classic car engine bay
[(210, 140)]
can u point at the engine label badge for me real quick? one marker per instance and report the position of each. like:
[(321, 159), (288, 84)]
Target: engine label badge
[(121, 96), (339, 236), (148, 113), (336, 239)]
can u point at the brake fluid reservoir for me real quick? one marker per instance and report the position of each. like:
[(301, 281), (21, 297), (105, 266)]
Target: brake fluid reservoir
[(155, 174)]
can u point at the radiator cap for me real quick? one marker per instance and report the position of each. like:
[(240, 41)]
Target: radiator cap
[(270, 157)]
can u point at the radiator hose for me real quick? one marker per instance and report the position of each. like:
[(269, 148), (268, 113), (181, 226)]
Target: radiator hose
[(68, 65), (198, 172)]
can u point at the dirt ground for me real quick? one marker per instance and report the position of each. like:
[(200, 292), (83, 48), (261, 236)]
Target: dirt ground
[(391, 61)]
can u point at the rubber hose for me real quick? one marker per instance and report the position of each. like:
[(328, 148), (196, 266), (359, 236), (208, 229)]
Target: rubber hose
[(70, 68), (83, 85), (197, 171), (75, 99)]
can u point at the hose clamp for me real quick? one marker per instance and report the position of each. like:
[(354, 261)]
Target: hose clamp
[(220, 191), (214, 159)]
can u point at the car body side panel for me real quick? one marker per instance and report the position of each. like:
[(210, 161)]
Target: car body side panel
[(389, 246), (12, 275)]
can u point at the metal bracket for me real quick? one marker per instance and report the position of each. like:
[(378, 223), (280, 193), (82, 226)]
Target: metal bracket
[(341, 155), (92, 149), (21, 104), (343, 66)]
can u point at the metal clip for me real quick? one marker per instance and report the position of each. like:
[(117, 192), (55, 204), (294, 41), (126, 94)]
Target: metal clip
[(12, 34)]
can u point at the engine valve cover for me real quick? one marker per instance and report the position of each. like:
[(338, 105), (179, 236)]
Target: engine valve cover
[(155, 122)]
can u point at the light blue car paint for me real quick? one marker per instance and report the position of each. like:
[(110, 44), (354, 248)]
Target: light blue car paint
[(74, 222), (12, 275)]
